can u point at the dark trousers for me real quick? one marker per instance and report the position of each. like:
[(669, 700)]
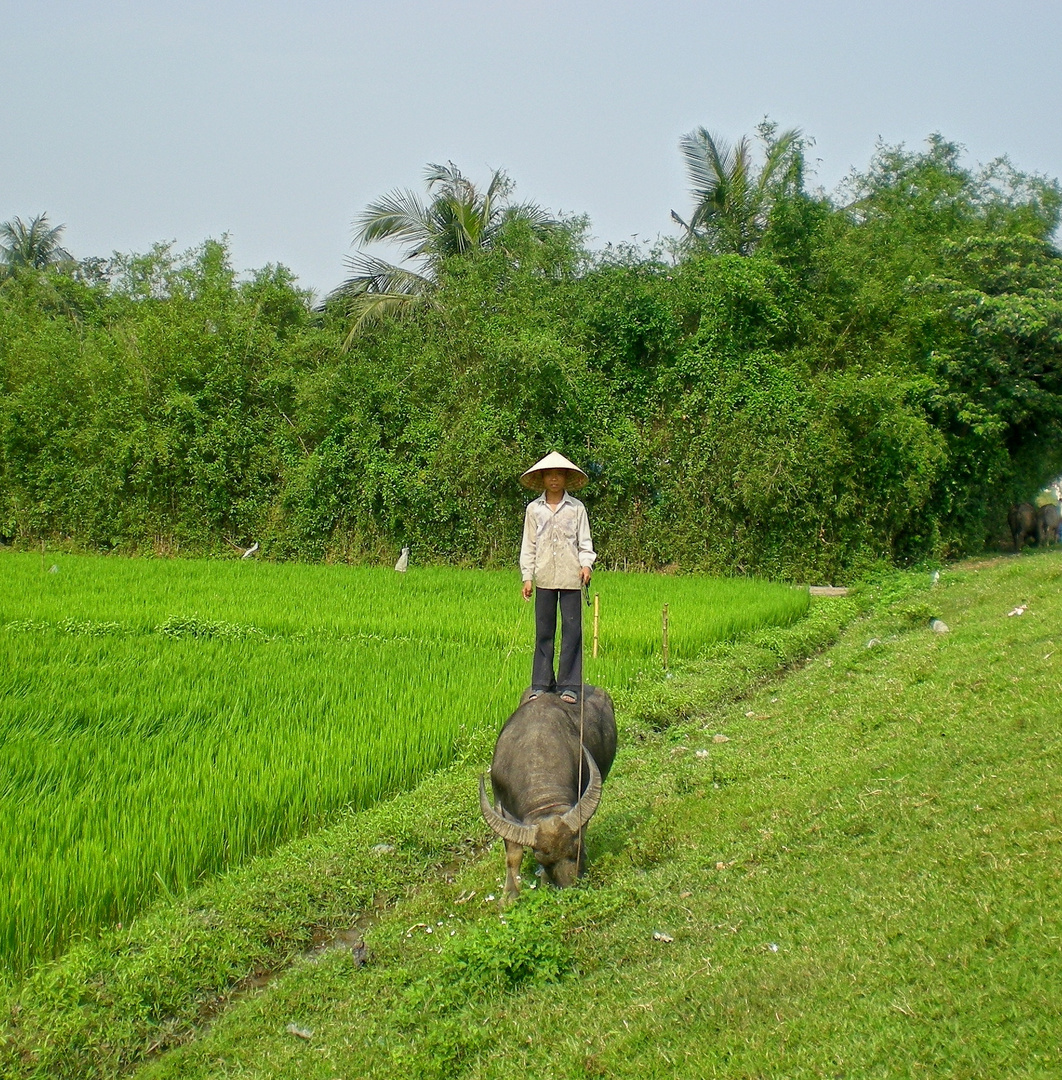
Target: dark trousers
[(570, 668)]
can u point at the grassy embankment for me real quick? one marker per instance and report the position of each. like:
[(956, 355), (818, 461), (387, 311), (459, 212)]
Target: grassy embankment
[(862, 880)]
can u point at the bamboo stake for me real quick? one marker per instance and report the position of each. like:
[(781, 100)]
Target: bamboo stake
[(597, 616), (665, 637)]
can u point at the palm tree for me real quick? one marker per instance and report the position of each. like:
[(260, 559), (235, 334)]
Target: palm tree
[(458, 220), (731, 200), (32, 246)]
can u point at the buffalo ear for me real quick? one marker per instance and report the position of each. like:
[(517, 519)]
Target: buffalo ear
[(514, 832), (584, 809)]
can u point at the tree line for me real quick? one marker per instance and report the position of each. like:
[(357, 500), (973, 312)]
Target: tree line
[(800, 385)]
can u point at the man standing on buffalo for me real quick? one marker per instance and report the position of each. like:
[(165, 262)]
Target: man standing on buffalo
[(555, 560)]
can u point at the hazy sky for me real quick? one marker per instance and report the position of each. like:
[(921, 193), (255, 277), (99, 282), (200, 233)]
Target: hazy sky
[(277, 122)]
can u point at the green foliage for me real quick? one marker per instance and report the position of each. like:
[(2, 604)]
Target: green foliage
[(526, 946), (878, 381), (732, 200), (459, 221), (149, 414), (30, 245), (181, 626)]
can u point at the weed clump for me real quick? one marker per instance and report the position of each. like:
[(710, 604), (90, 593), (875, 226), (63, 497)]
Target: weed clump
[(526, 946)]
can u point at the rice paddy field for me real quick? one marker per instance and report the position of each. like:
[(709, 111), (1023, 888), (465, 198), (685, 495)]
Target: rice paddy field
[(162, 720)]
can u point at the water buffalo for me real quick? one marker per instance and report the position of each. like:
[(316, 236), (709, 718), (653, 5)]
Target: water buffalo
[(1022, 522), (536, 772), (1047, 522)]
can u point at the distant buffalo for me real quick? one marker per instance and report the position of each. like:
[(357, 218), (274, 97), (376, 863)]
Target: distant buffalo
[(1022, 522), (1047, 523), (545, 789)]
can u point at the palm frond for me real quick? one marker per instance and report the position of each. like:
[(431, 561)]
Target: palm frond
[(33, 245), (706, 163), (377, 276), (731, 199), (368, 308), (718, 175), (781, 162), (398, 216), (457, 219), (457, 225), (541, 221)]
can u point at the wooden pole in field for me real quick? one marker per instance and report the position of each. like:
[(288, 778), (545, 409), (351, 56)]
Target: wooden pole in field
[(665, 637), (597, 617)]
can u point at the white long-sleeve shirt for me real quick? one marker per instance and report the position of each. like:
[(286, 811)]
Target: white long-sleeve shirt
[(556, 543)]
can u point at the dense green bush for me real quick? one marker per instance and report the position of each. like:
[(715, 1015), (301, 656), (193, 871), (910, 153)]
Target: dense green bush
[(876, 383)]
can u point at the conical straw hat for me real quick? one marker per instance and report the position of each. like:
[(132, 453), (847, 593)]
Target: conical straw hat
[(533, 477)]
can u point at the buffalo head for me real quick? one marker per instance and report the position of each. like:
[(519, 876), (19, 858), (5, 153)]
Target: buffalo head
[(555, 838)]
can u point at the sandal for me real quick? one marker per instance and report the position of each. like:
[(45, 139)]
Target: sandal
[(569, 697)]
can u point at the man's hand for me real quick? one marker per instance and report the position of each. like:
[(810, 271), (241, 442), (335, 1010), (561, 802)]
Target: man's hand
[(527, 590), (584, 573)]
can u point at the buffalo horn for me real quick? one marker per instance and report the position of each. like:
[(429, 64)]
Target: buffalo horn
[(524, 835), (584, 809)]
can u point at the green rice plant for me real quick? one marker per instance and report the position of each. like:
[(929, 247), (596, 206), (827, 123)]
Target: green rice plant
[(288, 599), (160, 721), (701, 611), (136, 766)]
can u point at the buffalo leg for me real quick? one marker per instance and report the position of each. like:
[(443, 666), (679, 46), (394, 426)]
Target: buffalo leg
[(514, 855)]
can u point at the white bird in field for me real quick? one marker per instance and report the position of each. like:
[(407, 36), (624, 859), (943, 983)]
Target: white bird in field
[(403, 561), (250, 551)]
